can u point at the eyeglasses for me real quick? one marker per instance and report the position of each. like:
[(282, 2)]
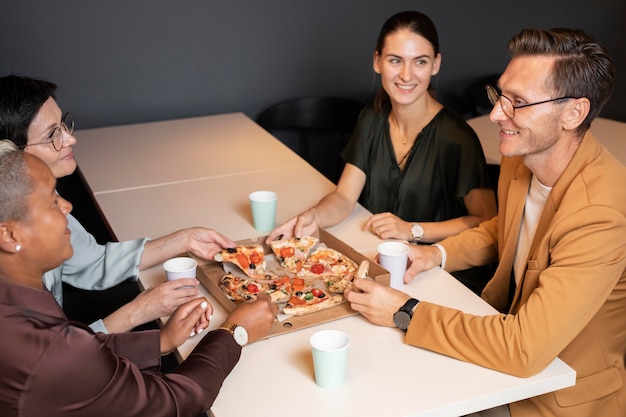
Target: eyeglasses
[(58, 134), (507, 105)]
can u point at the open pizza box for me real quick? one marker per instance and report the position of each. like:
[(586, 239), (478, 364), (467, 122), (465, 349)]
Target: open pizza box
[(211, 273)]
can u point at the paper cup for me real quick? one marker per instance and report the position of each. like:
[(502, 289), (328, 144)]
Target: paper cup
[(393, 257), (183, 267), (330, 357), (263, 205)]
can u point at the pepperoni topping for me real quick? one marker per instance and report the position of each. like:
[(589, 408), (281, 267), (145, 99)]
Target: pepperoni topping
[(256, 258), (317, 268), (252, 288), (287, 252)]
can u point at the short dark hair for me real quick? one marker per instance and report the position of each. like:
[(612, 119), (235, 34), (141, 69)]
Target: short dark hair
[(417, 23), (583, 67), (15, 183), (20, 99)]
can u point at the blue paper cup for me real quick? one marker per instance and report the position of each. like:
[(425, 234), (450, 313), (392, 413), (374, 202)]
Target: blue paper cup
[(263, 205), (330, 357)]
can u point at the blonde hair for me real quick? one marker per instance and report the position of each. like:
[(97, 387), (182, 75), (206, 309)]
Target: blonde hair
[(15, 183)]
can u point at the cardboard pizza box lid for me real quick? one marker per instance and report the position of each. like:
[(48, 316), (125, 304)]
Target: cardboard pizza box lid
[(212, 272)]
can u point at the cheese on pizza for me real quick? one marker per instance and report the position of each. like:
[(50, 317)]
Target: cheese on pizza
[(306, 299), (330, 265), (242, 289), (292, 253)]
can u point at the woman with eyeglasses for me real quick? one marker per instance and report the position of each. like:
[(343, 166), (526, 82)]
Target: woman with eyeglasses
[(31, 118), (412, 162), (53, 367)]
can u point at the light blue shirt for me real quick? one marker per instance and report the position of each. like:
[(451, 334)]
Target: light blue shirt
[(94, 266)]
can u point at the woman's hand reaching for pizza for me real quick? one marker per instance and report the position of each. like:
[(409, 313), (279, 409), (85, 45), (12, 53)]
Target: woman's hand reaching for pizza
[(388, 226), (255, 316), (304, 224), (205, 243), (200, 241), (190, 318)]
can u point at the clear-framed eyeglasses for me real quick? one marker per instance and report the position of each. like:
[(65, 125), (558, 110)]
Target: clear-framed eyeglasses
[(57, 136), (508, 108)]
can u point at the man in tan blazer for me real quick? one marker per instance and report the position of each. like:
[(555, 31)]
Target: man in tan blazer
[(559, 238)]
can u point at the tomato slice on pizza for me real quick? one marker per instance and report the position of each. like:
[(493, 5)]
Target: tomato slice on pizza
[(306, 299), (292, 253), (243, 289), (249, 258)]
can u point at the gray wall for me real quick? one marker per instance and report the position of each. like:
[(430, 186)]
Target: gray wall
[(127, 61)]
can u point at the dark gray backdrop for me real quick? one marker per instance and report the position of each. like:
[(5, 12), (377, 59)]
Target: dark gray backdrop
[(125, 61)]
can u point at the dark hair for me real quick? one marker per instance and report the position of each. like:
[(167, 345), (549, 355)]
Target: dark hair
[(417, 23), (15, 183), (583, 67), (20, 100)]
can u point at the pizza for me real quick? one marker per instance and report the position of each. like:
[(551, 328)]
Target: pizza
[(243, 289), (331, 266), (249, 258), (314, 279), (292, 253), (306, 299)]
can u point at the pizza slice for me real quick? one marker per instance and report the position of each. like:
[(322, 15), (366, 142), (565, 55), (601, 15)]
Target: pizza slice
[(331, 266), (307, 298), (361, 273), (243, 289), (249, 258), (292, 253)]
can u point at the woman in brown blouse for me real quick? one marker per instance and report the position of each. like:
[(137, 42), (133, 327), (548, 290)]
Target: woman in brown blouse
[(54, 367)]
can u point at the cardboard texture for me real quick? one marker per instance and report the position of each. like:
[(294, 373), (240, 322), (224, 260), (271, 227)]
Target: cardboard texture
[(211, 273)]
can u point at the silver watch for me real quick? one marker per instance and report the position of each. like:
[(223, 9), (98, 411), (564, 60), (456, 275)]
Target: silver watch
[(417, 232)]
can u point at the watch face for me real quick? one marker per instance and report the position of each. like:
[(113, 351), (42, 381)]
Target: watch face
[(241, 335), (417, 231), (402, 319)]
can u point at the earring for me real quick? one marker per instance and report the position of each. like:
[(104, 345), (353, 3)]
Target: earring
[(18, 248)]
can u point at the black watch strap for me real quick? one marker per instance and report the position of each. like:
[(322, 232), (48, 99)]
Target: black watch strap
[(408, 306)]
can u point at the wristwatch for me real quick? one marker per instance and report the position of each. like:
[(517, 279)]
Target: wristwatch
[(417, 232), (239, 332), (403, 317)]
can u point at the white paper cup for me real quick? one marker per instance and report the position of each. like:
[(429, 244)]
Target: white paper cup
[(330, 357), (393, 257), (263, 205), (183, 267)]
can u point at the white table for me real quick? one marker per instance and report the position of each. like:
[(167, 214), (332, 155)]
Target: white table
[(187, 187), (610, 132)]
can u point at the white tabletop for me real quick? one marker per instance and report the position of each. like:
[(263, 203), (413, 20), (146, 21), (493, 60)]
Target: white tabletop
[(130, 156), (275, 377), (610, 132)]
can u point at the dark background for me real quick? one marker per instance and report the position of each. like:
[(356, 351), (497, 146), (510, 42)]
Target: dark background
[(121, 61)]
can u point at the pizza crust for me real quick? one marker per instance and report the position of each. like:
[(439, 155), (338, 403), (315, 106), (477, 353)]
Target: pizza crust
[(328, 302)]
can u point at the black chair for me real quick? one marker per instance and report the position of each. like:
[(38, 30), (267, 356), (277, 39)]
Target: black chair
[(477, 96), (455, 102), (75, 189), (316, 128)]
